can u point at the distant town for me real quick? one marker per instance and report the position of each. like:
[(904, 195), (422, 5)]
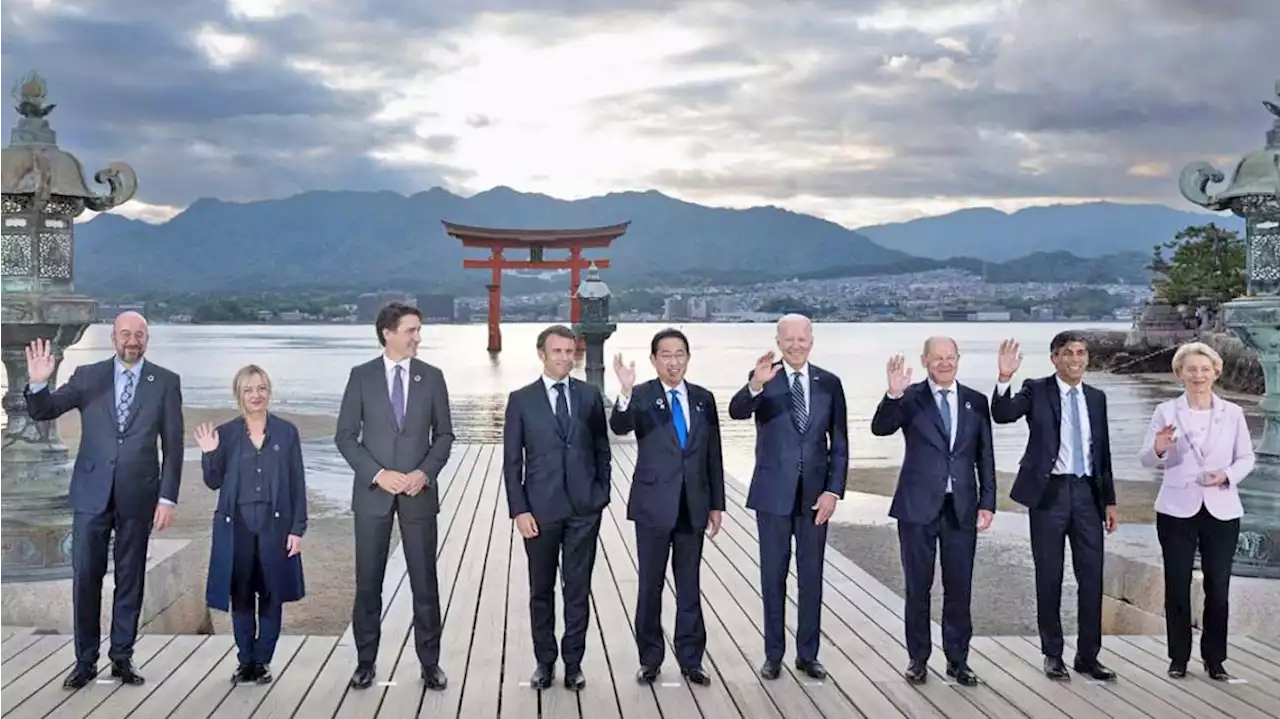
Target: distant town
[(946, 295)]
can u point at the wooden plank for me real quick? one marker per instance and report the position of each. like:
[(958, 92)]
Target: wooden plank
[(1213, 693), (1141, 688), (246, 698), (35, 655), (481, 682), (1255, 671), (50, 669), (17, 643), (53, 699), (518, 700), (466, 582), (199, 666), (174, 655), (293, 682), (599, 699), (1103, 695), (854, 595), (1255, 650), (1245, 692), (7, 633)]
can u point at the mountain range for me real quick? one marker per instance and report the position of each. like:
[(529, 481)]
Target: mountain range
[(379, 240)]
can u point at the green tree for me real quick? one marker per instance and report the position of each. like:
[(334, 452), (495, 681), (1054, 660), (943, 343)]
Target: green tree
[(1203, 262)]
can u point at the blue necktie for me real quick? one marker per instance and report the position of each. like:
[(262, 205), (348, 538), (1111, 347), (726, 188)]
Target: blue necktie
[(677, 416), (799, 412), (397, 396), (1077, 435), (946, 412), (562, 409), (126, 399)]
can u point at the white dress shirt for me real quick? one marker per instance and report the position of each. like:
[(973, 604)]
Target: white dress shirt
[(681, 390), (553, 394), (389, 368), (954, 410), (1065, 453), (806, 378)]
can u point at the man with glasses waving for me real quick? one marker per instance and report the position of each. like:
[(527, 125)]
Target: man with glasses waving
[(677, 493)]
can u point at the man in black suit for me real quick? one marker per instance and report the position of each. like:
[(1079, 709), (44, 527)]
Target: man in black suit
[(677, 492), (946, 494), (801, 466), (1065, 482), (557, 465), (120, 483), (396, 431)]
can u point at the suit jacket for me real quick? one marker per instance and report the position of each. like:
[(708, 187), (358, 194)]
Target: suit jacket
[(555, 476), (931, 457), (1227, 447), (367, 436), (285, 478), (662, 467), (1040, 402), (780, 447), (126, 463)]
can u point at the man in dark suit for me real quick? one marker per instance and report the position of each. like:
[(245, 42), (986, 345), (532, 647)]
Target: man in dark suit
[(396, 432), (801, 466), (120, 483), (557, 465), (946, 494), (1065, 482), (677, 492)]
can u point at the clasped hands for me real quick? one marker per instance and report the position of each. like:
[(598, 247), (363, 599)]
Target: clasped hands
[(409, 483)]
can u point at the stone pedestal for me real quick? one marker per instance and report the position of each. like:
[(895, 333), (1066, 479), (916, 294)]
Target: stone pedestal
[(35, 468), (172, 601), (1256, 320)]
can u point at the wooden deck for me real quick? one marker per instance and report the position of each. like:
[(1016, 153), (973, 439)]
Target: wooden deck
[(488, 657)]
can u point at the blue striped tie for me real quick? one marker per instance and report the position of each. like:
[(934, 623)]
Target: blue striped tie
[(798, 411)]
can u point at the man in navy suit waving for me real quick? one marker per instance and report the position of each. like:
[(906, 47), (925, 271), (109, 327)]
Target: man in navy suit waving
[(676, 494), (801, 466), (946, 494)]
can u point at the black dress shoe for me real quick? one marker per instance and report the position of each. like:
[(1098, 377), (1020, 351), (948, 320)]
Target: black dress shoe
[(697, 675), (542, 676), (262, 673), (244, 673), (362, 677), (812, 667), (917, 671), (81, 674), (1094, 670), (574, 680), (770, 669), (124, 671), (1177, 668), (646, 675), (1216, 671), (433, 676), (963, 675), (1054, 668)]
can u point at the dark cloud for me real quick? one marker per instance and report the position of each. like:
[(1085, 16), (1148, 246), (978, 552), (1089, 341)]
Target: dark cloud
[(822, 98)]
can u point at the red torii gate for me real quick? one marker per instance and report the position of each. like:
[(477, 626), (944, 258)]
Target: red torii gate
[(536, 241)]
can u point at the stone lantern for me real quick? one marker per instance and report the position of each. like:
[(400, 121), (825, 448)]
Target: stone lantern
[(44, 191), (1254, 194), (595, 327)]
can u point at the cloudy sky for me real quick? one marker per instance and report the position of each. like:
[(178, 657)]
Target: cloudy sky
[(860, 111)]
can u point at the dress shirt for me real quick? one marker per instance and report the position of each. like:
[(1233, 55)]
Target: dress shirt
[(682, 391), (553, 393), (805, 379), (954, 411), (1064, 461), (390, 369)]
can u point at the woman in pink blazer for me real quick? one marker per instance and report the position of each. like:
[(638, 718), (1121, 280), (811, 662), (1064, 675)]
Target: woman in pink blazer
[(1203, 445)]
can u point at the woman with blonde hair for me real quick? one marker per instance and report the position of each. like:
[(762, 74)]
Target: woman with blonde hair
[(1203, 445), (255, 463)]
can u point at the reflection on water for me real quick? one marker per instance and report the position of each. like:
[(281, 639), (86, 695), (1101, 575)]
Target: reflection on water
[(309, 366)]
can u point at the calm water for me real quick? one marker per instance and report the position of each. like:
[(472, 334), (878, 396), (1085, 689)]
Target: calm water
[(309, 365)]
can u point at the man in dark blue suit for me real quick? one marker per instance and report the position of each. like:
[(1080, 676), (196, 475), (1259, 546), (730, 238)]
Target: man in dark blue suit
[(120, 485), (1065, 482), (801, 466), (946, 494), (557, 465), (677, 492)]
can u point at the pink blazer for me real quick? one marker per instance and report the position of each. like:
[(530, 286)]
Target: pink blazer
[(1227, 447)]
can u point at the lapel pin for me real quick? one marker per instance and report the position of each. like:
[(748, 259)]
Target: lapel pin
[(275, 447), (660, 404), (968, 405), (699, 407), (151, 378), (417, 378)]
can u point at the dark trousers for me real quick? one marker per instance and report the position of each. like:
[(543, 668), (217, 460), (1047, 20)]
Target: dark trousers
[(570, 545), (256, 617), (919, 548), (1216, 539), (373, 541), (776, 532), (683, 544), (1069, 514), (91, 535)]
